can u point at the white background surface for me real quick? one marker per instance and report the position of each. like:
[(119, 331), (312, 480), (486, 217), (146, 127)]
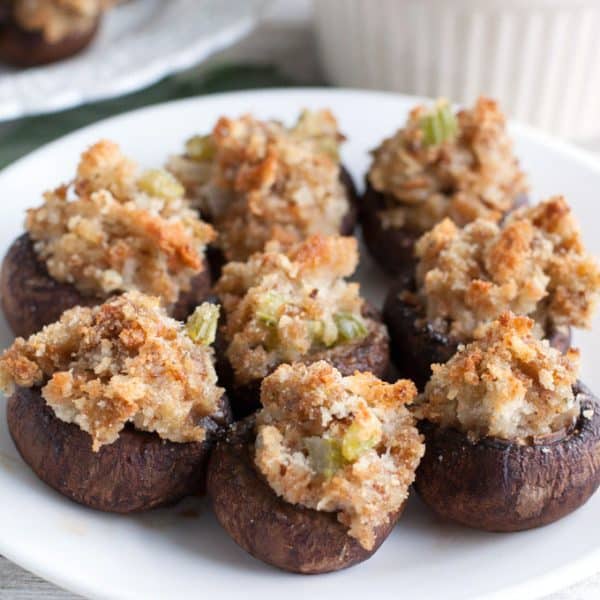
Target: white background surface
[(288, 42)]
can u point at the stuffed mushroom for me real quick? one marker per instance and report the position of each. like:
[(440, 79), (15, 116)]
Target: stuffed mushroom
[(112, 230), (117, 406), (257, 181), (295, 306), (37, 32), (316, 481), (512, 438), (533, 264), (441, 164)]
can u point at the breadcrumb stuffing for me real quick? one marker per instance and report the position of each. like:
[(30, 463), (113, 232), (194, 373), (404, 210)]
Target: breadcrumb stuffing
[(115, 230), (472, 174), (338, 444), (282, 306), (58, 19), (258, 180), (124, 361), (508, 384), (534, 264)]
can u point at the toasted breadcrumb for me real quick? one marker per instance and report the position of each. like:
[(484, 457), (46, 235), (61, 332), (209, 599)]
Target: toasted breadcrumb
[(508, 384), (122, 362), (281, 306), (258, 181), (534, 264), (474, 174), (58, 19), (118, 230), (338, 444)]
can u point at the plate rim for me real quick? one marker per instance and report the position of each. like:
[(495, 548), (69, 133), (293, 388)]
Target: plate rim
[(530, 589)]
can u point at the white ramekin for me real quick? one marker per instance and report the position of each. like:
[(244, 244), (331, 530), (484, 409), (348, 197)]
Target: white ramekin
[(539, 58)]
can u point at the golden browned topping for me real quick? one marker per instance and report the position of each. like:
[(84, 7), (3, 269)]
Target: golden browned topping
[(283, 306), (444, 165), (122, 362), (57, 19), (338, 444), (117, 230), (509, 384), (258, 181), (534, 264)]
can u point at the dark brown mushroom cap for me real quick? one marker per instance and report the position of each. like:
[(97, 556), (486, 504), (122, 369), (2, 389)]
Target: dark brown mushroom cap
[(31, 298), (415, 346), (23, 48), (497, 485), (349, 220), (392, 247), (138, 472), (371, 354), (217, 259), (284, 535)]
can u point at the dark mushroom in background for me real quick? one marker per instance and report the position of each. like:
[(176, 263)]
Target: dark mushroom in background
[(138, 472), (43, 32), (440, 164), (392, 248), (23, 48), (31, 298), (217, 259), (349, 221), (284, 535), (497, 485), (257, 180)]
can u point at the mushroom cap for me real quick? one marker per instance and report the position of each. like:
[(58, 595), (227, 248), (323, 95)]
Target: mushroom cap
[(287, 536), (23, 48), (498, 485), (137, 472)]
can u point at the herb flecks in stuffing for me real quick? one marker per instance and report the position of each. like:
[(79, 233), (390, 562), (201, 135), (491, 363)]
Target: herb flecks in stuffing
[(338, 444)]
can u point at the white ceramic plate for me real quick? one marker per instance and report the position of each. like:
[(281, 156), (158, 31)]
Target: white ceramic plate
[(139, 43), (181, 552)]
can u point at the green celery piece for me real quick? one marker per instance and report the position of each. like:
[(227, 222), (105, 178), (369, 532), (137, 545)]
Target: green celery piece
[(350, 327), (202, 324), (325, 455), (200, 148), (268, 308), (439, 126), (354, 445), (160, 184)]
